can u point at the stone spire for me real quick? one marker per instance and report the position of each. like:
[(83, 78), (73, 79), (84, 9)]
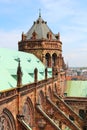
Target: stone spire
[(35, 75), (19, 75), (58, 36), (39, 12)]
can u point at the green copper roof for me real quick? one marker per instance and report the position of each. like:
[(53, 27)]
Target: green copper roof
[(8, 68), (76, 88)]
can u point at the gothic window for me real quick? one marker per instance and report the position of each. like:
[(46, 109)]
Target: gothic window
[(47, 35), (41, 98), (7, 121), (48, 60), (54, 59), (4, 123), (82, 113), (28, 112)]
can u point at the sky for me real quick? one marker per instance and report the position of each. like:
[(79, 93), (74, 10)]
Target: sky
[(69, 17)]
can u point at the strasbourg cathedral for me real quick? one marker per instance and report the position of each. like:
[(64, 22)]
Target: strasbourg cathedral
[(33, 82)]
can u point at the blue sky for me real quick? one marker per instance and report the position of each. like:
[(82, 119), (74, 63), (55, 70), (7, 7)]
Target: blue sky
[(69, 17)]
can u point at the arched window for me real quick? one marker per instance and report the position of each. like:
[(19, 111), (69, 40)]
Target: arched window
[(48, 60), (54, 59), (82, 113), (7, 121), (28, 112), (41, 98)]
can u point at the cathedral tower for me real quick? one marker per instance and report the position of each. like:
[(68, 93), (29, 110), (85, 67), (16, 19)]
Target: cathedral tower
[(43, 43)]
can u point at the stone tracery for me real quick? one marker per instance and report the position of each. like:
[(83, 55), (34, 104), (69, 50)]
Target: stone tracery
[(28, 112), (6, 120)]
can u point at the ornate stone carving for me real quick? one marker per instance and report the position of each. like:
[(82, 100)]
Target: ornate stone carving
[(4, 123)]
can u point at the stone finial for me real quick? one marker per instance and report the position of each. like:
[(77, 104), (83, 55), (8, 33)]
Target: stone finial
[(19, 75), (35, 75), (23, 36), (39, 12), (58, 36)]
